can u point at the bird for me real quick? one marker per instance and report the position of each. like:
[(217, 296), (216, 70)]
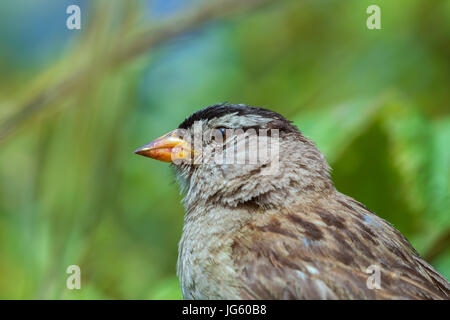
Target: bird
[(277, 228)]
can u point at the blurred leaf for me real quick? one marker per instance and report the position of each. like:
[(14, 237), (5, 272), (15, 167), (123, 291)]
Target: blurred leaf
[(335, 127)]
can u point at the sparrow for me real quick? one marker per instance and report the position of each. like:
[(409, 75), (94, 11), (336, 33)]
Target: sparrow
[(275, 227)]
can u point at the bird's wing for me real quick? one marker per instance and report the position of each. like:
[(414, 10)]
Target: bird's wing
[(331, 251)]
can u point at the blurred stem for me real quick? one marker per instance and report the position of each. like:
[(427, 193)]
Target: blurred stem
[(122, 52), (438, 247)]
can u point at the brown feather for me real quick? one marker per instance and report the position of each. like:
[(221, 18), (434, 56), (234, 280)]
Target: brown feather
[(287, 257)]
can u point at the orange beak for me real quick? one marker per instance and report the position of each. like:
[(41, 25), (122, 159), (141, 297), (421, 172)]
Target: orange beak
[(167, 148)]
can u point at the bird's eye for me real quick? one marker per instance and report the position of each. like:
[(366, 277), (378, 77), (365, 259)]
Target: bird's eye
[(221, 132)]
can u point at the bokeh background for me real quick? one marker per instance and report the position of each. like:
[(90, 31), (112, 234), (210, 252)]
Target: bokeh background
[(74, 104)]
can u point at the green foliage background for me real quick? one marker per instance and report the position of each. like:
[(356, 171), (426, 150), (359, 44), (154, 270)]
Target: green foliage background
[(75, 104)]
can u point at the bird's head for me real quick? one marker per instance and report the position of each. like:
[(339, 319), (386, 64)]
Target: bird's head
[(233, 154)]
